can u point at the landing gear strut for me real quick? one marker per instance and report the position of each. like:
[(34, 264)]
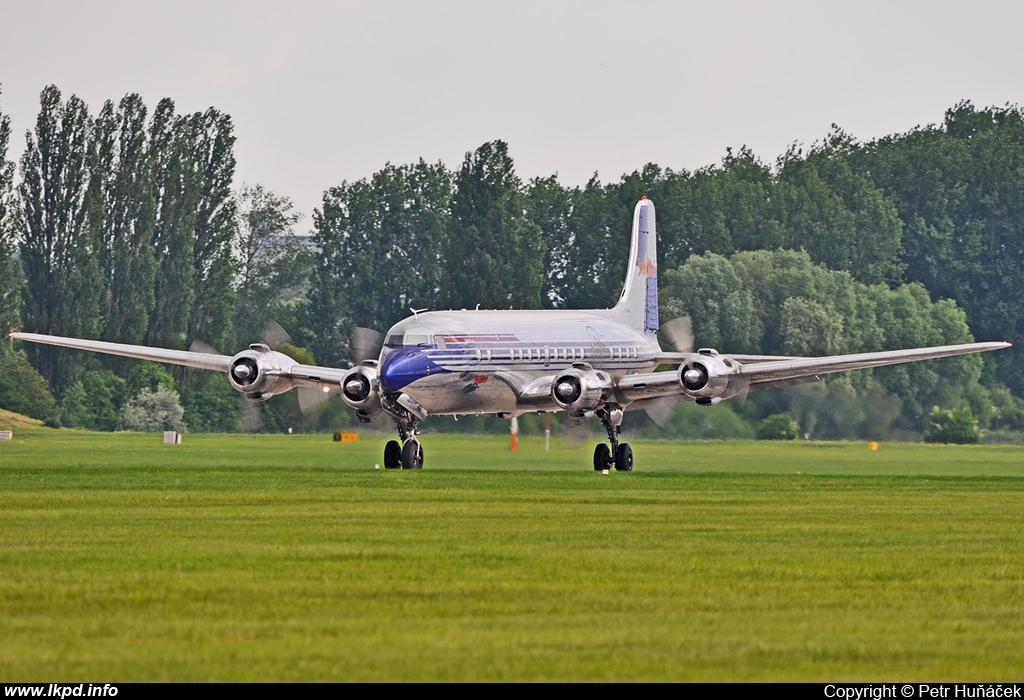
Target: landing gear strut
[(619, 455), (409, 453)]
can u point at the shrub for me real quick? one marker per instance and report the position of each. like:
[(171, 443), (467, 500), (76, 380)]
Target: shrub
[(22, 389), (958, 426), (781, 426), (153, 411)]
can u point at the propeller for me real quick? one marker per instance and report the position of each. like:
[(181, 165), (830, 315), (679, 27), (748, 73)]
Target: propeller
[(366, 344), (202, 346), (741, 396), (679, 334), (274, 336), (312, 400), (249, 417), (661, 410)]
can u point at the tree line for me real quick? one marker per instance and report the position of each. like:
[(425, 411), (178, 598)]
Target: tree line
[(127, 226)]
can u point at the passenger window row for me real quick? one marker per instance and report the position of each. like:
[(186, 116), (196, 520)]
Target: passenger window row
[(553, 354)]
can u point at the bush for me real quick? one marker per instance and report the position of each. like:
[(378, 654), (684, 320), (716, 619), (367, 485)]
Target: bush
[(153, 411), (148, 375), (74, 411), (693, 422), (958, 426), (22, 389), (781, 426), (105, 393)]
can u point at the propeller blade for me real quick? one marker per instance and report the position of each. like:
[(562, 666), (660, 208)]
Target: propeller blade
[(661, 411), (312, 400), (679, 334), (572, 436), (366, 344), (249, 418), (275, 336), (743, 393), (202, 346)]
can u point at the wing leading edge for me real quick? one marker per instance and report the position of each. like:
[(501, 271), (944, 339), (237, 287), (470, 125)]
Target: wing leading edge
[(766, 372), (309, 375), (198, 360)]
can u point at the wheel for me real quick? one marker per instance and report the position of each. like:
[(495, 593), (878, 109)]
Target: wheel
[(412, 455), (392, 455), (602, 457), (624, 458)]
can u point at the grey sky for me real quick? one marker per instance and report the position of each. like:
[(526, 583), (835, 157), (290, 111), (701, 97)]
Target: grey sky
[(322, 92)]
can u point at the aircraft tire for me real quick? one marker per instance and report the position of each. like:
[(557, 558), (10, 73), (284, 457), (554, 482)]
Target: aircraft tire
[(412, 455), (392, 455), (624, 458), (602, 457)]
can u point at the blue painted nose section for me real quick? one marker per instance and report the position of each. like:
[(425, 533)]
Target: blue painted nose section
[(401, 367)]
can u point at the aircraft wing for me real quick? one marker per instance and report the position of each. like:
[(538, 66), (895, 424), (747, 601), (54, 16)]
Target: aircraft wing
[(768, 372), (309, 375), (198, 360), (675, 358)]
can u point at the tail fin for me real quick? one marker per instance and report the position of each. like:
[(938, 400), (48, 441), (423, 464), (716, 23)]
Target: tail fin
[(638, 305)]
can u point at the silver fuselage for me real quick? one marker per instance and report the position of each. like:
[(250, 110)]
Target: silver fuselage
[(467, 362)]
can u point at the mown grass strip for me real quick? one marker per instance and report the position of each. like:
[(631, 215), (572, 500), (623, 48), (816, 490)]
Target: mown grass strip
[(129, 560)]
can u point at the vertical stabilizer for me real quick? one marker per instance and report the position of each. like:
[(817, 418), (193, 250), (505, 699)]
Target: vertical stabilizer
[(638, 305)]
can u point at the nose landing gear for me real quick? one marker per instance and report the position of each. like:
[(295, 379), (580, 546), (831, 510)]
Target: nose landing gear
[(409, 453)]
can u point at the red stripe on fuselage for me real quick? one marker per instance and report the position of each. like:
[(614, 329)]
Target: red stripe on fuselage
[(478, 338)]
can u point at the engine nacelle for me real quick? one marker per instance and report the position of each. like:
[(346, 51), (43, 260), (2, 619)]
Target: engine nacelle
[(360, 388), (581, 389), (709, 378), (260, 373)]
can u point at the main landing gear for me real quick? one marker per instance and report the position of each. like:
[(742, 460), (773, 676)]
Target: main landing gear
[(619, 455), (409, 453)]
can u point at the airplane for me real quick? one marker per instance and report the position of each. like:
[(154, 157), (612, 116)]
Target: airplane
[(587, 363)]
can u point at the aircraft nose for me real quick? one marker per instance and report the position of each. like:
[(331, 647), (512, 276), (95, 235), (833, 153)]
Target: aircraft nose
[(400, 368)]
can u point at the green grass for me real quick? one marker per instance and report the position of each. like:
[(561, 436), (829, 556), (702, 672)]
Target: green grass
[(291, 558)]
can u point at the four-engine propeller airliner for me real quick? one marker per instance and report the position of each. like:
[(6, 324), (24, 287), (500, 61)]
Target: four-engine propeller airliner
[(598, 362)]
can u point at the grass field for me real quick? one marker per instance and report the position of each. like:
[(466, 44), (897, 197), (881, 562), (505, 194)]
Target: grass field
[(291, 558)]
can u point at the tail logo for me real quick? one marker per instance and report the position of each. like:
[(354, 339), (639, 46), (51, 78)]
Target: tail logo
[(646, 267)]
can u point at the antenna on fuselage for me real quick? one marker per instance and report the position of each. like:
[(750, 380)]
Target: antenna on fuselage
[(416, 311)]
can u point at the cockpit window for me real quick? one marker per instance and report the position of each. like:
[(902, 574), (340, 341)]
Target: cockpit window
[(410, 339)]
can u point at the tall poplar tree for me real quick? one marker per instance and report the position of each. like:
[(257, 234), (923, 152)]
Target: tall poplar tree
[(176, 194), (210, 135), (124, 177), (63, 282), (10, 277), (192, 163)]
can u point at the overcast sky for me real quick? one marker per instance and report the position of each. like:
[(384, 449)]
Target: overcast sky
[(322, 92)]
